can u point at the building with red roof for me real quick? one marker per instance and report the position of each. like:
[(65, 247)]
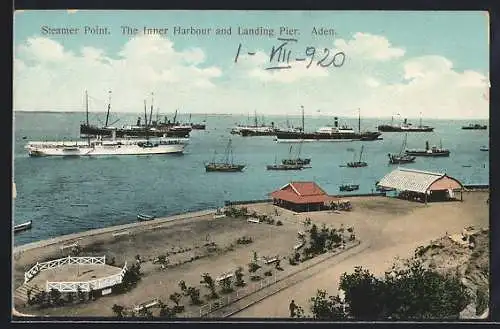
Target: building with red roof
[(302, 196)]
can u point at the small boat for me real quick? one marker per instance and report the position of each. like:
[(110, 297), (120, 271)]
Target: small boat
[(476, 126), (22, 227), (359, 163), (285, 167), (484, 148), (348, 187), (429, 152), (227, 165), (144, 217), (401, 157)]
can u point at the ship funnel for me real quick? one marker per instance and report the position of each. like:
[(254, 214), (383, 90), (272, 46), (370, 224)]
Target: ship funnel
[(272, 124), (336, 122), (427, 145), (406, 121), (113, 134), (138, 121)]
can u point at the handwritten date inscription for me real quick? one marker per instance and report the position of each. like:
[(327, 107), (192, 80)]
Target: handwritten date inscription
[(282, 55)]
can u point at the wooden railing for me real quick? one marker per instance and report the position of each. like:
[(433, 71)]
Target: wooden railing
[(60, 262), (87, 286)]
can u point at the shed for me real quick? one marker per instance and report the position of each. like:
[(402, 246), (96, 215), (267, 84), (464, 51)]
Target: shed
[(302, 196), (430, 186)]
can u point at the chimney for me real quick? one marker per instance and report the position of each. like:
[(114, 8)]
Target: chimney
[(138, 121), (427, 145), (336, 122)]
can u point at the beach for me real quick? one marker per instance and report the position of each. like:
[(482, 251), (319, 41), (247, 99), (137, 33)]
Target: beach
[(197, 243)]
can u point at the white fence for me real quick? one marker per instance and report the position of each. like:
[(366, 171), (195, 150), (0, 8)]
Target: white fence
[(88, 285), (60, 262)]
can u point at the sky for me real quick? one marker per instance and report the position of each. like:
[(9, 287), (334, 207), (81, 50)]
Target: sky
[(415, 64)]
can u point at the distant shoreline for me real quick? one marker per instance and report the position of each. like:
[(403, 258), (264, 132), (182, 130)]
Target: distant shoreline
[(317, 115)]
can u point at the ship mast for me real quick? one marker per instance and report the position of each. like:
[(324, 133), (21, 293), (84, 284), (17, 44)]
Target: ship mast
[(109, 108), (302, 107), (151, 111), (87, 106), (359, 120), (87, 112)]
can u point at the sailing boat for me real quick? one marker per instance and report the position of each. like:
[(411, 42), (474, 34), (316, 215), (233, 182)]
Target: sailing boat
[(401, 157), (277, 166), (359, 163), (227, 165), (298, 160)]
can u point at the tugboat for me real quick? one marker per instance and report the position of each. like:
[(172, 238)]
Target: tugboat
[(348, 187), (227, 165), (327, 133), (429, 152), (401, 157), (484, 148), (476, 126)]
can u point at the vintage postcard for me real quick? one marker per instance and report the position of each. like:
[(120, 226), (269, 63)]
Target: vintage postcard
[(250, 164)]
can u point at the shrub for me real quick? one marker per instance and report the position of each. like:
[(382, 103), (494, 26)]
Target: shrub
[(239, 277), (268, 273), (279, 223)]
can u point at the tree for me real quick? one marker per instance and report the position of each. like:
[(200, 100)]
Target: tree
[(326, 307), (80, 294), (194, 294), (409, 293), (363, 293), (42, 298), (415, 292), (176, 298), (226, 285), (118, 310), (182, 285), (166, 312), (210, 283), (55, 296), (239, 277), (70, 297), (252, 268)]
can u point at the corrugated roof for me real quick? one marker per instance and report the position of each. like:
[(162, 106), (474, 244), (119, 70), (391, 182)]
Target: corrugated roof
[(409, 180)]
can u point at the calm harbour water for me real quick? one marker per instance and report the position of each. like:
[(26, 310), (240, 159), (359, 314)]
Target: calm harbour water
[(68, 195)]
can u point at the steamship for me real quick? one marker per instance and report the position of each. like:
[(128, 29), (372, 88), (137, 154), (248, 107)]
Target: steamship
[(327, 133)]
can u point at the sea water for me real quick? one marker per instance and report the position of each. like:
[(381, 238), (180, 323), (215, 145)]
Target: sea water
[(68, 195)]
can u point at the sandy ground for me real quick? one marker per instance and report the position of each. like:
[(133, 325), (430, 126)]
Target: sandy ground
[(391, 227), (389, 237)]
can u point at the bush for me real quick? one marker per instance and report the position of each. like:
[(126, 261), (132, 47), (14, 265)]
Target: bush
[(268, 273), (239, 277), (279, 223), (244, 240), (255, 277)]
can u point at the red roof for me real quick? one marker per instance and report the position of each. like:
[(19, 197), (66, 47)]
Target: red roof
[(301, 193)]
